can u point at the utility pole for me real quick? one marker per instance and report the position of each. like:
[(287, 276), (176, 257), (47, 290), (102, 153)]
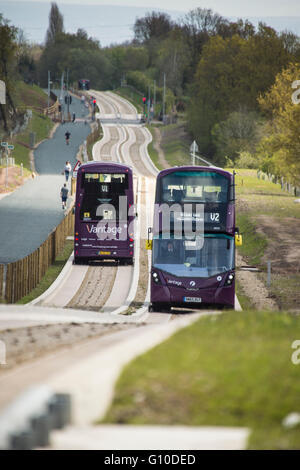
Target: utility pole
[(49, 89), (6, 172), (193, 149), (164, 98), (61, 98), (148, 107), (68, 99)]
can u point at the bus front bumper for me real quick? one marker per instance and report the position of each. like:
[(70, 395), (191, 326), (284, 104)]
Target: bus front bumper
[(180, 297)]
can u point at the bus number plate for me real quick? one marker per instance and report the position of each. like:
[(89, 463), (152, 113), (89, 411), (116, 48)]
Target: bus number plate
[(192, 299), (104, 252)]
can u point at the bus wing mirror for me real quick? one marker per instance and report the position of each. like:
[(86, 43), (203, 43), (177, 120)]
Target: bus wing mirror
[(238, 239), (148, 244), (148, 241)]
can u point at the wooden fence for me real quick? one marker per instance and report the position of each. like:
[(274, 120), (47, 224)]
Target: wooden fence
[(19, 278), (93, 137)]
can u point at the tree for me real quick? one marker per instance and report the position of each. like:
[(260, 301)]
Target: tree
[(56, 24), (230, 74), (154, 25), (242, 28), (198, 26), (78, 53), (152, 29), (281, 145), (173, 58), (8, 48), (238, 133)]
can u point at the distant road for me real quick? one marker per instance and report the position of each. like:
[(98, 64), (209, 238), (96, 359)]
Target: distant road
[(29, 214)]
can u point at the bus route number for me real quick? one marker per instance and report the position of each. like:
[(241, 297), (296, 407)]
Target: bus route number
[(215, 216)]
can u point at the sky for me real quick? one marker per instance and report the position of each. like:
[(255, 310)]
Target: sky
[(224, 7), (112, 24)]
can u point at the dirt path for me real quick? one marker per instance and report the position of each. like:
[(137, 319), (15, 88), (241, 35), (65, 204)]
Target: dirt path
[(254, 288), (14, 179), (157, 146), (284, 247)]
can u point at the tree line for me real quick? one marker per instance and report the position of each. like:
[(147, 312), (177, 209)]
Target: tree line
[(233, 80)]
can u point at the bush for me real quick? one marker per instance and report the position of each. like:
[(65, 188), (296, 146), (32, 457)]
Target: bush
[(247, 160)]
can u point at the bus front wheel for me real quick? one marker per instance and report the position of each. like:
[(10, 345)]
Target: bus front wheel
[(156, 307)]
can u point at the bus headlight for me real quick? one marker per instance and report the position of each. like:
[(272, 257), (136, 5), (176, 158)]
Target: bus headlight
[(155, 278), (230, 279)]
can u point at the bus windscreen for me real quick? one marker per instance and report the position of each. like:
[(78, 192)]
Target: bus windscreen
[(193, 187), (102, 189), (189, 258)]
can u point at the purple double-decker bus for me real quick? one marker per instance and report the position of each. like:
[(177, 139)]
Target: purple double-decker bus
[(194, 267), (104, 213)]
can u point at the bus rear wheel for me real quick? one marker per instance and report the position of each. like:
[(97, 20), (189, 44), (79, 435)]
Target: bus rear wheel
[(126, 261), (156, 307)]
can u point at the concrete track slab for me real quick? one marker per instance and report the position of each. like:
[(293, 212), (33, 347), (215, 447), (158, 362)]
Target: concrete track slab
[(123, 437), (66, 290), (120, 289)]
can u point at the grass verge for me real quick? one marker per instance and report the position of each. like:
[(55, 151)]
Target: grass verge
[(152, 151), (232, 369), (175, 144), (51, 274), (131, 95), (269, 220), (242, 296), (254, 243)]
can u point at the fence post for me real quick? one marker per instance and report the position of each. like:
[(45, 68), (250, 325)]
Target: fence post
[(269, 274)]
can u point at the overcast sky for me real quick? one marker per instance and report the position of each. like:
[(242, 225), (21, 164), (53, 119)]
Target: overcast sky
[(224, 7)]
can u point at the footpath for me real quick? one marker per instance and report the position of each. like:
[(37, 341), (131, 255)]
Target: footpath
[(30, 213)]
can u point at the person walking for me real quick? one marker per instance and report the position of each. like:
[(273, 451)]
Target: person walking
[(67, 136), (64, 195), (68, 169)]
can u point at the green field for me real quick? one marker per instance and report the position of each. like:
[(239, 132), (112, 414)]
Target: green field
[(232, 369), (39, 124), (30, 97)]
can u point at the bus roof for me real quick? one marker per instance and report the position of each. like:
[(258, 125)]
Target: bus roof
[(195, 168), (98, 166)]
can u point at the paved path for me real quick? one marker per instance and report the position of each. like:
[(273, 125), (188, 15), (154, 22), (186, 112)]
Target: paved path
[(28, 215)]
